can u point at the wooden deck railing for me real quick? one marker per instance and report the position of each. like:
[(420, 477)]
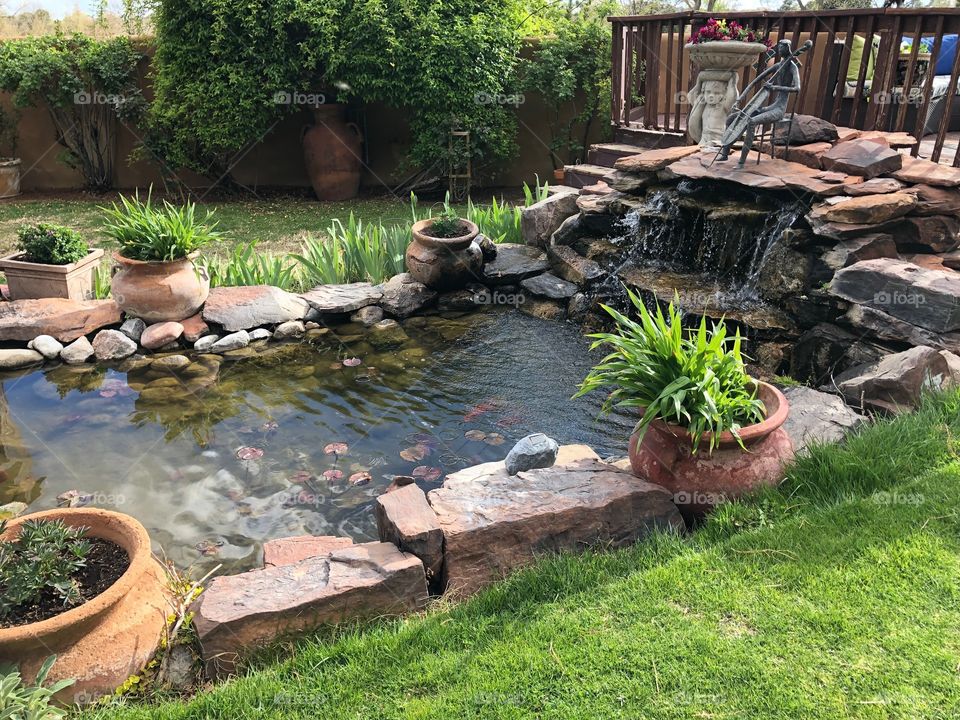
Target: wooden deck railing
[(651, 72)]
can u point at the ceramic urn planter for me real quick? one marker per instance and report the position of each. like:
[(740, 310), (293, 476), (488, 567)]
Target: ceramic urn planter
[(74, 281), (703, 480), (107, 639), (9, 177), (444, 263), (159, 291)]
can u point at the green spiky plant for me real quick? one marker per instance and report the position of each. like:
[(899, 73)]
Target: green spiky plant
[(694, 379)]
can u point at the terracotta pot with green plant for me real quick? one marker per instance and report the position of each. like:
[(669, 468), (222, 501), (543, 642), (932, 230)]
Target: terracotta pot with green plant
[(51, 261), (83, 585), (707, 432), (444, 254), (155, 278)]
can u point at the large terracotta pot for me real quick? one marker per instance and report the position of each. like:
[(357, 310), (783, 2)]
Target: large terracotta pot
[(9, 177), (444, 263), (702, 481), (724, 54), (331, 151), (159, 291), (106, 640)]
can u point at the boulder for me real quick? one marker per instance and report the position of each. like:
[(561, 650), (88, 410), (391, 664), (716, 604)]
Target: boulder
[(494, 523), (817, 417), (403, 296), (65, 320), (632, 183), (803, 130), (194, 328), (14, 358), (935, 200), (651, 161), (825, 350), (572, 266), (369, 315), (405, 518), (533, 451), (133, 328), (854, 250), (47, 346), (540, 220), (896, 382), (245, 307), (238, 613), (113, 345), (809, 155), (549, 286), (866, 158), (159, 335), (879, 324), (570, 231), (386, 334), (289, 330), (516, 262), (936, 233), (917, 171), (927, 298), (488, 248), (864, 210), (233, 341), (336, 299), (77, 352), (290, 550)]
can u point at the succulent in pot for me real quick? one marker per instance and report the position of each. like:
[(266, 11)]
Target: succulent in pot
[(51, 261), (444, 254), (155, 277), (707, 431)]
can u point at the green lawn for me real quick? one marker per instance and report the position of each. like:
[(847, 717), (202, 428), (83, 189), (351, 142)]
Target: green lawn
[(835, 596)]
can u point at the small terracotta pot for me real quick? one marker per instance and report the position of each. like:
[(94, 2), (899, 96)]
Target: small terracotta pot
[(444, 263), (106, 640), (560, 175), (159, 291), (700, 482)]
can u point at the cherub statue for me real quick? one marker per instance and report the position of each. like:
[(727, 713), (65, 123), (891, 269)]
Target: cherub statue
[(711, 99)]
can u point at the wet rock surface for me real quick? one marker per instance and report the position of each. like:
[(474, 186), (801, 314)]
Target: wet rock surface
[(336, 299), (515, 263), (549, 286), (403, 296), (243, 308)]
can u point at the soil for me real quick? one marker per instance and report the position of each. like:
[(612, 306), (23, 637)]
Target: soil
[(105, 564), (461, 230)]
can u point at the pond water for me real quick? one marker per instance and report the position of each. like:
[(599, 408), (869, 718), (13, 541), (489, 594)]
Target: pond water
[(287, 439)]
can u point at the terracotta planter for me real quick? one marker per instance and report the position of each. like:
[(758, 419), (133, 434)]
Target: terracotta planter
[(560, 175), (702, 481), (444, 263), (331, 151), (38, 280), (9, 177), (724, 54), (106, 640), (159, 291)]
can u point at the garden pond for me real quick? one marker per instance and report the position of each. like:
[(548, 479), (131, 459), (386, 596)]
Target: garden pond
[(293, 438)]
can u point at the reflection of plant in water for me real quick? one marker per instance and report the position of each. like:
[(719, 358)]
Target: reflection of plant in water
[(66, 378)]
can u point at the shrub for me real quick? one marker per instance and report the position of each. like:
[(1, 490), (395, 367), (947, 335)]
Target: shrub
[(30, 703), (146, 232), (695, 380), (51, 244), (85, 84), (40, 561)]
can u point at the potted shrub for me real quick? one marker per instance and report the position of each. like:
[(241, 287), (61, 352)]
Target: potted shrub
[(444, 254), (51, 261), (707, 432), (155, 278), (81, 584), (9, 162)]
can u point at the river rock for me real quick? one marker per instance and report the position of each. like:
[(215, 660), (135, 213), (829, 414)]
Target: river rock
[(494, 523), (258, 334), (205, 343), (405, 518), (865, 158), (170, 363), (77, 352), (337, 299), (289, 330), (65, 320), (540, 220), (927, 298), (245, 307), (238, 613), (113, 345), (133, 328), (159, 335), (370, 315), (533, 451), (290, 550), (403, 296), (549, 286), (386, 333), (803, 130), (896, 382), (864, 210), (570, 231), (514, 263), (572, 266), (11, 510), (918, 171), (47, 346), (817, 417), (233, 341), (14, 358)]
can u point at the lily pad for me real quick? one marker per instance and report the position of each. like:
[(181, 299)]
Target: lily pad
[(336, 448), (475, 435), (494, 439), (352, 362), (333, 474), (427, 472), (415, 452), (300, 477), (249, 453), (360, 478)]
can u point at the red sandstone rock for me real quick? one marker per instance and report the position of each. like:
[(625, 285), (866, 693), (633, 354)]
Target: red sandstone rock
[(926, 172), (66, 320), (194, 328), (653, 160), (290, 550), (936, 232), (935, 200), (405, 518), (160, 335), (864, 210), (240, 612), (875, 186), (866, 158)]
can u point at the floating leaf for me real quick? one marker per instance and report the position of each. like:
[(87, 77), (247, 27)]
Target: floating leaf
[(300, 477), (494, 439), (415, 452), (336, 448), (360, 478), (427, 472), (269, 425), (509, 421), (352, 362), (209, 548), (478, 410), (249, 453), (333, 474), (476, 435)]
